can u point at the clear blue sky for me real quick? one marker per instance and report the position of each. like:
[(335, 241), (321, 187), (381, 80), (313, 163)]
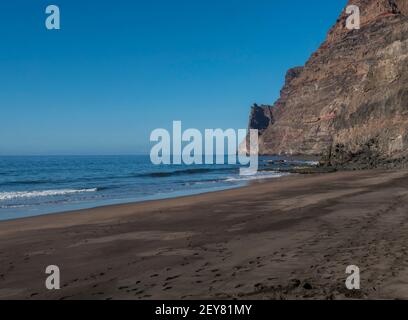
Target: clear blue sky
[(119, 69)]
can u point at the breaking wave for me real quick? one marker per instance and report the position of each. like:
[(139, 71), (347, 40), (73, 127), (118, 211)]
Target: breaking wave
[(259, 176), (162, 174), (44, 193)]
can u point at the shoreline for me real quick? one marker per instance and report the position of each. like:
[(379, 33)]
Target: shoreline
[(39, 203), (130, 201), (290, 237), (166, 200)]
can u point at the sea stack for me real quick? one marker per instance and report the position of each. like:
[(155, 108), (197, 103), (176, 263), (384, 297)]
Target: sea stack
[(348, 105)]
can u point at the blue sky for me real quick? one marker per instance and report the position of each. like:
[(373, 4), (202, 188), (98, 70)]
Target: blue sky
[(119, 69)]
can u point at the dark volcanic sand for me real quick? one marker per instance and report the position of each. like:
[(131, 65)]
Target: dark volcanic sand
[(286, 238)]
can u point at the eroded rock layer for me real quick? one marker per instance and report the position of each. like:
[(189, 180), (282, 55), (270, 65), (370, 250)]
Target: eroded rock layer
[(349, 104)]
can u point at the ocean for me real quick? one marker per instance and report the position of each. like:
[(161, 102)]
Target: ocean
[(36, 185)]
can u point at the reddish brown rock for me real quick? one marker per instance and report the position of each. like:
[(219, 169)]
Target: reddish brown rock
[(349, 103)]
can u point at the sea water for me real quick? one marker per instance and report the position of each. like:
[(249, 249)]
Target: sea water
[(35, 185)]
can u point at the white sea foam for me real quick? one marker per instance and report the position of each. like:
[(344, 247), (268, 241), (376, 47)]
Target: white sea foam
[(312, 163), (13, 206), (44, 193), (258, 176)]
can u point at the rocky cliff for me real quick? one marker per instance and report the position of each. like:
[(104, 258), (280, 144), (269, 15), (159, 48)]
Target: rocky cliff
[(348, 104)]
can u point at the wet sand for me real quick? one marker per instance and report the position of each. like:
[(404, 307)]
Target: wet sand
[(288, 238)]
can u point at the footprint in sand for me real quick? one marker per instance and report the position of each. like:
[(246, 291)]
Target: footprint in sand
[(123, 288)]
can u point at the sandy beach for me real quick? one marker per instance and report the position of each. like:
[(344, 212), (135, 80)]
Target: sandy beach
[(286, 238)]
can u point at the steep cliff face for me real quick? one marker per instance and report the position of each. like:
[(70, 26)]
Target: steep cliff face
[(349, 103)]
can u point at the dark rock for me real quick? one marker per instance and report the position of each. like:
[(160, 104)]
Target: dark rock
[(349, 104), (260, 119)]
